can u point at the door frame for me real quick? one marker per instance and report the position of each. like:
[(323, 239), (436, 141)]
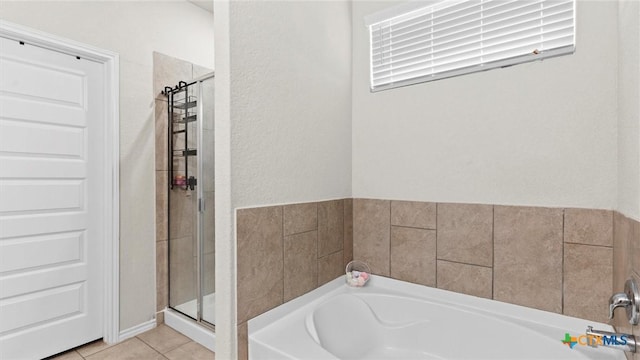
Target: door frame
[(111, 197)]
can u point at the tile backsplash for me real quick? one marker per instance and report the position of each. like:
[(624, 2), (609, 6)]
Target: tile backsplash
[(563, 260), (538, 257), (287, 251)]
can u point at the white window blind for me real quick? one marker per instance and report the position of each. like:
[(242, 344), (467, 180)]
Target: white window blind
[(455, 37)]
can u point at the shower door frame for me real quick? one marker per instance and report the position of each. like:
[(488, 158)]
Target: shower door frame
[(200, 204)]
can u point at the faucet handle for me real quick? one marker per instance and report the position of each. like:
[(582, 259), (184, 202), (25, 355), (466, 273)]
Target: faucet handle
[(616, 301), (629, 299)]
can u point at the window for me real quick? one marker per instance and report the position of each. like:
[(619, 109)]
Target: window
[(425, 41)]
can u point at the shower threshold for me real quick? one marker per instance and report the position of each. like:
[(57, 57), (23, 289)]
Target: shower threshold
[(191, 328)]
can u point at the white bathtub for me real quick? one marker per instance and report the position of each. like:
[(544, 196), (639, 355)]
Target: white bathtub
[(391, 319)]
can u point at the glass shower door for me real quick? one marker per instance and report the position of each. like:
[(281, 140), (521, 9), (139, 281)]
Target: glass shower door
[(191, 200), (207, 196)]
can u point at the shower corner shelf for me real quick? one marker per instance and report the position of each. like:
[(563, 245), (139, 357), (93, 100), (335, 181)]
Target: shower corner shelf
[(181, 111)]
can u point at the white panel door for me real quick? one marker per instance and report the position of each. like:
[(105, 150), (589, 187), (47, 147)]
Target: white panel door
[(51, 201)]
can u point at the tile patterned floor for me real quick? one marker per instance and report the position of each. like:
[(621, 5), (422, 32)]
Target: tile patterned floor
[(161, 343)]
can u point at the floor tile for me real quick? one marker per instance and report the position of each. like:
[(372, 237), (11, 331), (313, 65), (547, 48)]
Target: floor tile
[(163, 339), (69, 355), (132, 349), (191, 351), (92, 348)]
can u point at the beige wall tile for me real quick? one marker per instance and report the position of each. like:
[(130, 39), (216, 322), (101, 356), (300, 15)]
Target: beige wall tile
[(330, 227), (243, 342), (159, 318), (413, 255), (413, 214), (161, 205), (182, 270), (167, 71), (347, 246), (371, 233), (299, 218), (330, 267), (260, 261), (588, 226), (465, 233), (588, 276), (622, 263), (208, 218), (528, 256), (162, 275), (466, 279), (181, 213), (161, 126), (300, 264), (207, 179), (199, 71), (209, 273)]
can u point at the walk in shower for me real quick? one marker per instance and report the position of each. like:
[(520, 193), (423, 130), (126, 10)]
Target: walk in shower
[(191, 252)]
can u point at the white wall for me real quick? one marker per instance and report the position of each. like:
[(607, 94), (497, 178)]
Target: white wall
[(541, 133), (290, 101), (134, 30), (629, 108)]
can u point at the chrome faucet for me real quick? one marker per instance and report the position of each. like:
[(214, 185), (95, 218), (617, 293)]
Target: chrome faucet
[(629, 299), (621, 341)]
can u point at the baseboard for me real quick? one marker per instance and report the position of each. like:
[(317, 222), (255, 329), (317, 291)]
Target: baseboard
[(136, 330)]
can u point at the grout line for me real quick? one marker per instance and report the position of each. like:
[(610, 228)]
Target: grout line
[(594, 245), (464, 263)]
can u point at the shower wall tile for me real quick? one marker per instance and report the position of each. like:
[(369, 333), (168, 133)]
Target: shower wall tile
[(465, 233), (199, 71), (330, 267), (413, 214), (299, 218), (348, 231), (465, 278), (243, 341), (588, 280), (161, 205), (208, 162), (371, 233), (209, 223), (162, 275), (588, 226), (622, 263), (183, 281), (208, 278), (161, 134), (300, 264), (635, 246), (413, 255), (167, 71), (182, 211), (260, 248), (528, 256), (330, 227)]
